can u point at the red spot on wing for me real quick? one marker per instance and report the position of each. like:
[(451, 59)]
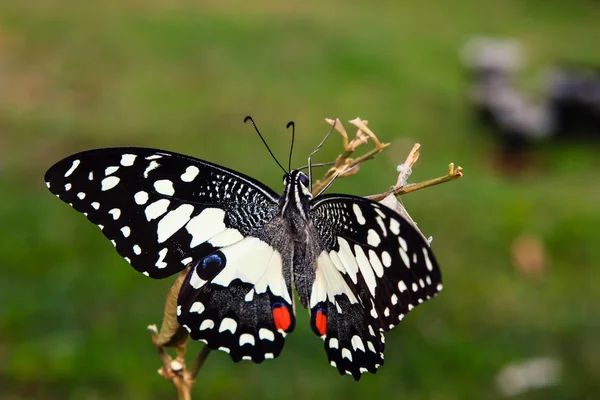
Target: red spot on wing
[(282, 318), (321, 322)]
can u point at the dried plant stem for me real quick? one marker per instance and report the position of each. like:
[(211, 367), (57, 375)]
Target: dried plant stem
[(199, 362), (453, 173), (344, 165)]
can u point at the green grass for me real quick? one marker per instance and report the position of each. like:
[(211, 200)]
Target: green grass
[(77, 75)]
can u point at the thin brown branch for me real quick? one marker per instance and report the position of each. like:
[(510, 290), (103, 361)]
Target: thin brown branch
[(199, 362), (453, 174)]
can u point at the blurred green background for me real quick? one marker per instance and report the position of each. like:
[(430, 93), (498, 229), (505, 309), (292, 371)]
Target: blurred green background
[(181, 75)]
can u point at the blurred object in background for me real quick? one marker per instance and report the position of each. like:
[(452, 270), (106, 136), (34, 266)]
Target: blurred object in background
[(534, 373), (529, 256), (574, 101), (571, 109)]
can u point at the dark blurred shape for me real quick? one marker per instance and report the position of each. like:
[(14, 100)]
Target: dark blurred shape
[(570, 110), (574, 101)]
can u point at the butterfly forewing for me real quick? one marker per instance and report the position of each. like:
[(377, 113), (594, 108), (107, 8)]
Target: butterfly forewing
[(375, 267), (161, 210)]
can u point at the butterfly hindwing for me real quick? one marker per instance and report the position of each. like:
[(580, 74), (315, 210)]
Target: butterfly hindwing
[(352, 339), (161, 210), (386, 266), (239, 299)]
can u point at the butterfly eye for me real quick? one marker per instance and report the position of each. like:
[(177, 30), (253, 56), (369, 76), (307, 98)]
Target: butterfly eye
[(303, 179)]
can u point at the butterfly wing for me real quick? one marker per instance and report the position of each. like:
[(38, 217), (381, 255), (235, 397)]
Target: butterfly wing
[(161, 210), (373, 268), (239, 299)]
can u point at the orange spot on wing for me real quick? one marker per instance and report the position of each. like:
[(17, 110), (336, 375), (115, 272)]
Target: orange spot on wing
[(321, 322), (282, 318)]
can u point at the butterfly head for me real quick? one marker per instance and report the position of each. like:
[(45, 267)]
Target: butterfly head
[(297, 181), (294, 204)]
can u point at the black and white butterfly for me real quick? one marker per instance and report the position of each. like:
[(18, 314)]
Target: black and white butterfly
[(357, 266)]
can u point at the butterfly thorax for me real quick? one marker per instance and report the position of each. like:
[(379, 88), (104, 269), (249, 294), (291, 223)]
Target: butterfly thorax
[(294, 205)]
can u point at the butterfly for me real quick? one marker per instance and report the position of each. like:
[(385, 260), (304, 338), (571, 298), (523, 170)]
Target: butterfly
[(357, 266)]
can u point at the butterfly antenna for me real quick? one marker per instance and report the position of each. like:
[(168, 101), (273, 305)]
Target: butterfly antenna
[(314, 151), (293, 125), (249, 118)]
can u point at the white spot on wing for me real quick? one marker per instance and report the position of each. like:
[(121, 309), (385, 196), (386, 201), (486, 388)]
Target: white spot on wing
[(126, 231), (205, 225), (207, 324), (228, 324), (73, 167), (347, 258), (68, 187), (110, 182), (186, 260), (365, 269), (141, 198), (161, 258), (402, 287), (153, 165), (190, 173), (247, 338), (195, 281), (376, 263), (197, 307), (381, 223), (371, 347), (373, 238), (394, 226), (173, 221), (358, 213), (156, 209), (333, 343), (110, 170), (95, 205), (164, 186), (427, 259), (137, 249), (116, 213), (154, 157), (127, 160), (386, 258), (357, 343), (346, 354), (81, 195), (394, 299), (266, 334)]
